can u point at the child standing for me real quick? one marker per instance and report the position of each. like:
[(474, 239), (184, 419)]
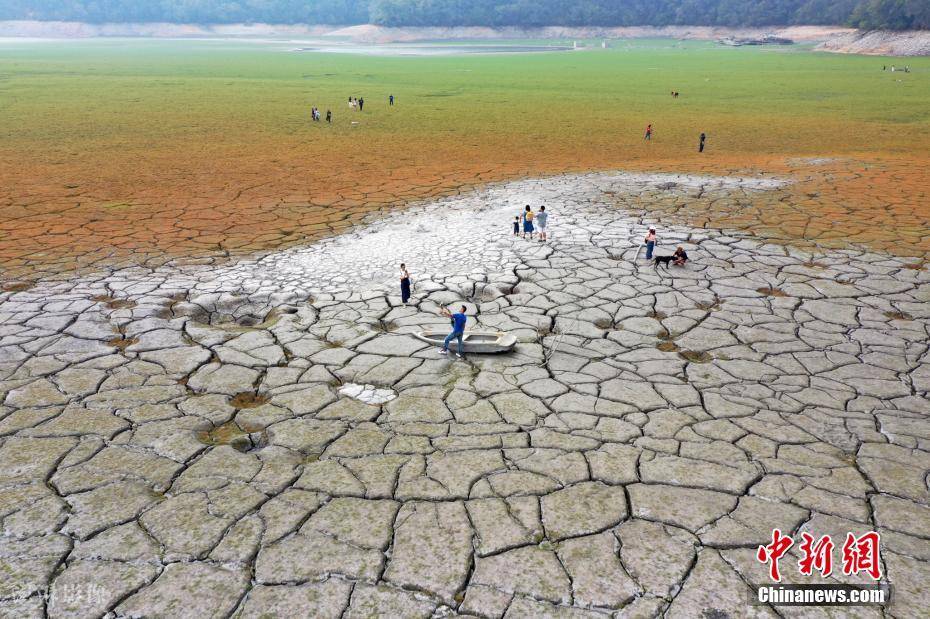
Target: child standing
[(516, 225), (541, 219)]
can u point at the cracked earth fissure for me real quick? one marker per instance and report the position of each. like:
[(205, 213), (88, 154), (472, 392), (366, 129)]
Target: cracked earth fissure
[(477, 485)]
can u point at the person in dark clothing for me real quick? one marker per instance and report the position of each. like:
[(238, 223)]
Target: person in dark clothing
[(701, 146), (361, 104), (680, 257), (404, 283), (391, 99), (329, 116)]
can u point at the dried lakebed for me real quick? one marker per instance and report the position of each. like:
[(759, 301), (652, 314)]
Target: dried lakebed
[(266, 438)]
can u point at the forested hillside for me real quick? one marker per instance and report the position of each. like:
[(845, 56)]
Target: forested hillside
[(866, 14)]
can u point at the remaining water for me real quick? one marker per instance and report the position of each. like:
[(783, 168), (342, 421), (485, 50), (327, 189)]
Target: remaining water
[(432, 50)]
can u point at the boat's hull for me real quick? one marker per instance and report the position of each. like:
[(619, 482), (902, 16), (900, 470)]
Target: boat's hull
[(475, 342)]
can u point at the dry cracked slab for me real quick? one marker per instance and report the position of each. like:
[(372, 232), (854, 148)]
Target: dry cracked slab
[(213, 440)]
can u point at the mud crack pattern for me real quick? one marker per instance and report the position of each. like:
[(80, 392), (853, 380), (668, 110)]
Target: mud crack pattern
[(181, 437)]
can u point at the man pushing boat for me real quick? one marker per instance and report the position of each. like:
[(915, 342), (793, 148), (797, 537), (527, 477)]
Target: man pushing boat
[(458, 330)]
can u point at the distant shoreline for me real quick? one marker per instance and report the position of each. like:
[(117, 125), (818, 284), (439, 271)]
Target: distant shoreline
[(827, 38)]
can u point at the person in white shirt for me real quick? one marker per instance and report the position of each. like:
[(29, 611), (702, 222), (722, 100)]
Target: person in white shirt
[(542, 219), (404, 284)]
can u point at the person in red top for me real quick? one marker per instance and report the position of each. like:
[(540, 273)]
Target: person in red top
[(648, 135)]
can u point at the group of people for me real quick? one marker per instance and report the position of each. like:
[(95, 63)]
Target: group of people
[(647, 136), (679, 258), (907, 68), (527, 219), (459, 319), (674, 94), (315, 115), (356, 103)]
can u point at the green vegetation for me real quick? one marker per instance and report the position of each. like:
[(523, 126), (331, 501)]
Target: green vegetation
[(190, 11), (891, 15), (868, 14), (146, 94)]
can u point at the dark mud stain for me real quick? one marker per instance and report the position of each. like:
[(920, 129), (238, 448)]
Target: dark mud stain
[(241, 438), (247, 399), (122, 343), (695, 357), (772, 292), (709, 307), (17, 286), (114, 303)]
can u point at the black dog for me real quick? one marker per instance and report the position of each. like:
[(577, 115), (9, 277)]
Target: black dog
[(664, 260)]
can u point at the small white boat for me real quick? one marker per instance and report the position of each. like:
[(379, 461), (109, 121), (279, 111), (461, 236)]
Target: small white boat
[(480, 342)]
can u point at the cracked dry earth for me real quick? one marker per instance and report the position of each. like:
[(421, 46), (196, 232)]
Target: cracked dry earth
[(266, 438)]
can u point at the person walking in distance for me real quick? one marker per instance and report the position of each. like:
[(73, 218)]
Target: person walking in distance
[(404, 283), (458, 330), (650, 242), (701, 145), (361, 104), (648, 134), (391, 100)]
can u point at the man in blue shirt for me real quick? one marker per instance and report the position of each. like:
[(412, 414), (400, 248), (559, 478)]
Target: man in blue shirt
[(458, 330)]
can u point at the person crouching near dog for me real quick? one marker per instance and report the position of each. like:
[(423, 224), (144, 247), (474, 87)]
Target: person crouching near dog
[(680, 257)]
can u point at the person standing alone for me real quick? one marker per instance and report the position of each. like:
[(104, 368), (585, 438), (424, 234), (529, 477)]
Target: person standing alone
[(648, 134), (650, 242), (404, 283), (701, 145), (391, 100)]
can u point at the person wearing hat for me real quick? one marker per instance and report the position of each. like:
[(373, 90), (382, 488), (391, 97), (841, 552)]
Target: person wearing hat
[(650, 242)]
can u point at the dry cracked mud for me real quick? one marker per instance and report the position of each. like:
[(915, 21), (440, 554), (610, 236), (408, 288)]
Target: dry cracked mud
[(264, 437)]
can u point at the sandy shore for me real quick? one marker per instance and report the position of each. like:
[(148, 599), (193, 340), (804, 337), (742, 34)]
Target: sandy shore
[(369, 33)]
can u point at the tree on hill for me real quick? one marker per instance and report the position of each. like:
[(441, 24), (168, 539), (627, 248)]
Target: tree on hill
[(892, 15), (868, 14)]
